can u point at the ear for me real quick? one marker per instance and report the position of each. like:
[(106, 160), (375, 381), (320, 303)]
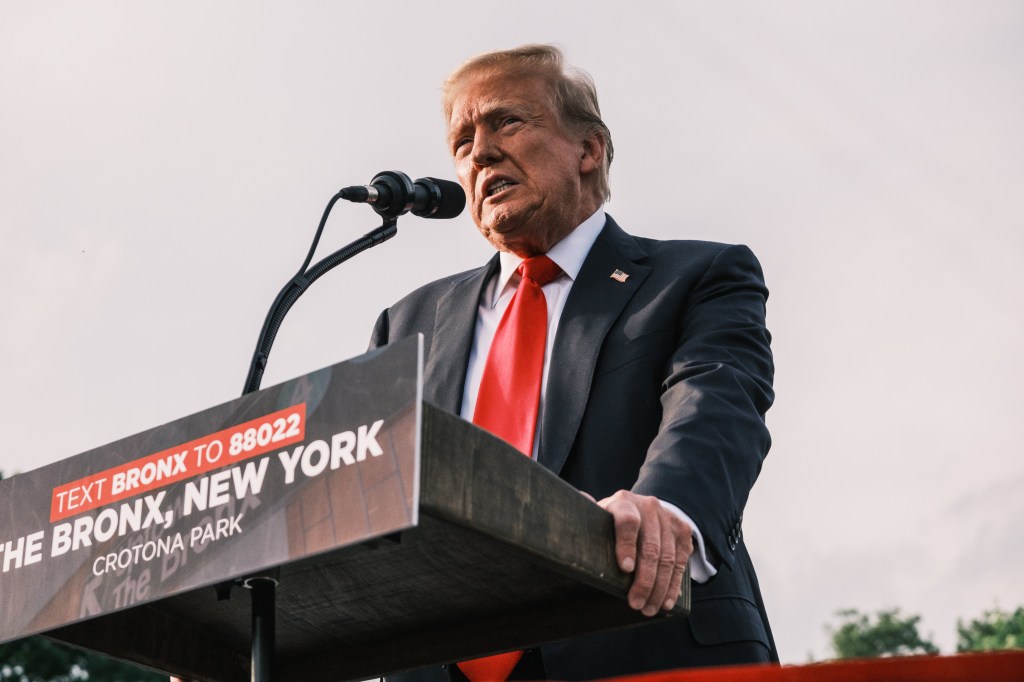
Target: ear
[(592, 154)]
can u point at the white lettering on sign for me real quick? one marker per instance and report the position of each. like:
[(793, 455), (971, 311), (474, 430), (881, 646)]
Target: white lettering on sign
[(347, 447), (224, 486), (139, 515), (215, 530), (145, 551), (23, 551)]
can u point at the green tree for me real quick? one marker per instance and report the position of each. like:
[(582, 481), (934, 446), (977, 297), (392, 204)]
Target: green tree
[(37, 659), (996, 629), (888, 633)]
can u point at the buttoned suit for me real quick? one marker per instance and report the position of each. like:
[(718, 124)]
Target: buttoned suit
[(657, 384)]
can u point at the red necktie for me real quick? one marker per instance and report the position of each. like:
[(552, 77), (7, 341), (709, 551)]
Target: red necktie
[(509, 397)]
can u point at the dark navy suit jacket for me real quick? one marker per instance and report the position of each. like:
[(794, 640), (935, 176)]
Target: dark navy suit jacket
[(658, 384)]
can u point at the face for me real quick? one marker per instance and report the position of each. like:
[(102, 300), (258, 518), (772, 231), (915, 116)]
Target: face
[(528, 181)]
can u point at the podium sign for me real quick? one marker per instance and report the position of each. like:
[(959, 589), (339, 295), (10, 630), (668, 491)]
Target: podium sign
[(320, 462), (401, 535)]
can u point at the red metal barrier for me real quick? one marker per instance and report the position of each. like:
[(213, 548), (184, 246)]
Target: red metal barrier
[(998, 666)]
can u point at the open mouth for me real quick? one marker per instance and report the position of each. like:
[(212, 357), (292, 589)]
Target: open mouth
[(499, 187)]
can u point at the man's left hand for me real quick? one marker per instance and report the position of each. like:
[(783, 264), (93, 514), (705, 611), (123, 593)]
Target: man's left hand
[(654, 545)]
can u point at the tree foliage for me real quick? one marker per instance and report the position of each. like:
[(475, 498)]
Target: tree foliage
[(888, 633), (37, 659), (996, 629)]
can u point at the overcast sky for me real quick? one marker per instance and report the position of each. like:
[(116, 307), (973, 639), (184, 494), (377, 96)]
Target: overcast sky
[(163, 167)]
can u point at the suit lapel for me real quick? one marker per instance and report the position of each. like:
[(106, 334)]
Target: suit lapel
[(595, 301), (452, 339)]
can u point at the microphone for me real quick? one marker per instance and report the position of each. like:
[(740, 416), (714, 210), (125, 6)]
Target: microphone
[(392, 194)]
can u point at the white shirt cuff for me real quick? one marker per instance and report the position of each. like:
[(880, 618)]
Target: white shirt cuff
[(701, 569)]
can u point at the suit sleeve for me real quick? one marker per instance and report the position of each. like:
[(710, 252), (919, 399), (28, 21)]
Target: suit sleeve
[(717, 387)]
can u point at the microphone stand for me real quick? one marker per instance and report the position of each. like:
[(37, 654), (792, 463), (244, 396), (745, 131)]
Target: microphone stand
[(263, 586), (302, 280)]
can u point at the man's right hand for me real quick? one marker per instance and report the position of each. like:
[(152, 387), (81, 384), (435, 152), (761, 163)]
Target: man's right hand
[(654, 545)]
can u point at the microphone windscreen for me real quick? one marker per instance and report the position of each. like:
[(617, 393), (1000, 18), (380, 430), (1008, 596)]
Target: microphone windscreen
[(450, 198)]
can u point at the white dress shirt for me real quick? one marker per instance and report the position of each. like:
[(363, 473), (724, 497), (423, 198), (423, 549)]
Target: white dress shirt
[(569, 255)]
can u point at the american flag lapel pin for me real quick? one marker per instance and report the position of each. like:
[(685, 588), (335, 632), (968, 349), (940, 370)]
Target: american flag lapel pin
[(619, 276)]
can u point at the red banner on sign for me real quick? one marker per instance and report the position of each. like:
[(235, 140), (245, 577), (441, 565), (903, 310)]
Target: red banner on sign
[(195, 457)]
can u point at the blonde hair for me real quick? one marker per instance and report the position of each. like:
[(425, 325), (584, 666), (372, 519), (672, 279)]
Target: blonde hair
[(573, 94)]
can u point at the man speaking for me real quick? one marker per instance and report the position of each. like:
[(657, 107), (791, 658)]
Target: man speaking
[(637, 370)]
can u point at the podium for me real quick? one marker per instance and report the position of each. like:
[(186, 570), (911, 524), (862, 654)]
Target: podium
[(399, 534)]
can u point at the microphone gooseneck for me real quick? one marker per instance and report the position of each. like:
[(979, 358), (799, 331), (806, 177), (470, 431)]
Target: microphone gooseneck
[(392, 194)]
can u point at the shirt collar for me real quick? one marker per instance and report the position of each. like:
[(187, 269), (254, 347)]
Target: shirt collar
[(568, 254)]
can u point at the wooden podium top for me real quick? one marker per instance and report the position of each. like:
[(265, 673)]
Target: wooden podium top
[(505, 556)]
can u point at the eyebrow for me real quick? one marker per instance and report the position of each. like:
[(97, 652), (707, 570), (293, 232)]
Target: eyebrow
[(488, 110)]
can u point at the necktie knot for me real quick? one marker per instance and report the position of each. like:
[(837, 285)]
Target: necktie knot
[(540, 269)]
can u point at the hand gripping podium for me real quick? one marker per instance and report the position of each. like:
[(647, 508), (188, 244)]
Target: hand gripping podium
[(399, 535)]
